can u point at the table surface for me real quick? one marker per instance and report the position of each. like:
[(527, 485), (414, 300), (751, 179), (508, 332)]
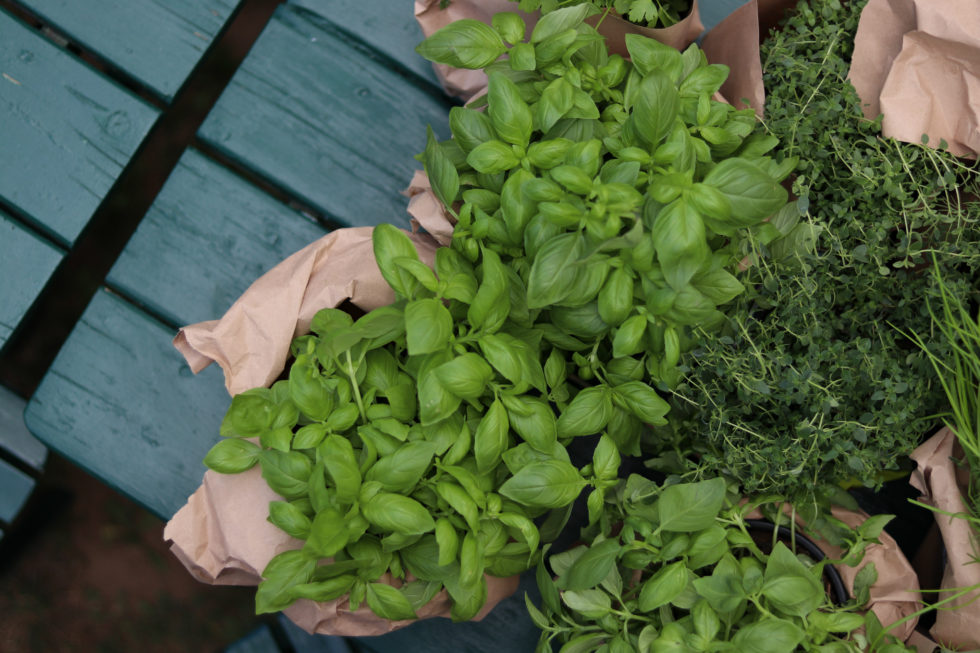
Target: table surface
[(317, 130)]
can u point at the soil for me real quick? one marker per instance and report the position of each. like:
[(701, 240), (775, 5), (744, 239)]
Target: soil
[(87, 570)]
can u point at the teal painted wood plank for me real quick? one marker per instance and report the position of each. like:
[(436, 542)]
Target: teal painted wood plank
[(15, 439), (303, 642), (392, 33), (259, 640), (208, 235), (15, 487), (157, 42), (324, 121), (26, 263), (66, 132), (121, 402), (508, 628), (714, 11)]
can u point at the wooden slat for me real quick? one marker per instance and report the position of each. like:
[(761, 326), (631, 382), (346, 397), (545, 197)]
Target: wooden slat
[(303, 642), (121, 402), (324, 121), (26, 263), (157, 42), (713, 11), (207, 236), (15, 487), (387, 28), (15, 439), (66, 132)]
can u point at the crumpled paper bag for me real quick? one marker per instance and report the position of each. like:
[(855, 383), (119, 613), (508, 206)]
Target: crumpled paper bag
[(943, 484), (895, 594), (917, 62), (251, 342), (222, 537), (678, 36)]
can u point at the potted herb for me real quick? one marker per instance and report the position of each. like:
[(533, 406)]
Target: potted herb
[(680, 568), (645, 13)]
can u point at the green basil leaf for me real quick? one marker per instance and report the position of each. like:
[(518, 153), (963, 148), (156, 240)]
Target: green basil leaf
[(557, 99), (643, 401), (328, 534), (690, 507), (663, 587), (467, 599), (309, 436), (461, 502), (523, 525), (590, 568), (465, 376), (587, 414), (470, 560), (440, 169), (290, 519), (723, 588), (546, 155), (436, 403), (789, 585), (509, 114), (545, 484), (283, 572), (681, 243), (327, 320), (286, 472), (753, 194), (464, 43), (655, 108), (338, 458), (583, 643), (390, 243), (422, 272), (592, 604), (704, 81), (719, 286), (448, 540), (649, 55), (420, 592), (388, 603), (395, 513), (548, 281), (325, 590), (492, 157), (490, 306), (533, 420), (428, 326), (628, 338), (490, 439), (402, 470), (559, 21), (606, 458), (232, 456), (470, 128), (509, 25), (768, 636), (616, 297)]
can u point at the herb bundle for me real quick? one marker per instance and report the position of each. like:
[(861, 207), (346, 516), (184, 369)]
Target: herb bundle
[(683, 570), (648, 13), (813, 385)]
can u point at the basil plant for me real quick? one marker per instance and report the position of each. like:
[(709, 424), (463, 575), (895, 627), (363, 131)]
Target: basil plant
[(620, 197), (419, 439), (677, 569)]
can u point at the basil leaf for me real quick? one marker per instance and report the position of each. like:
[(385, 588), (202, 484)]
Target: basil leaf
[(325, 590), (592, 604), (232, 456), (402, 470), (509, 114), (655, 108), (690, 507), (649, 55), (616, 297), (440, 169), (461, 502), (448, 540), (509, 25), (465, 376), (768, 636), (789, 585), (590, 568), (523, 525), (490, 306), (490, 440), (606, 458), (328, 533), (559, 21), (643, 401), (428, 326), (390, 243), (436, 403), (338, 458), (470, 128), (290, 519), (397, 514), (283, 572), (464, 43), (628, 339), (548, 281), (286, 472), (492, 157), (704, 81), (753, 194), (388, 603), (719, 286), (681, 243), (663, 587), (587, 414), (557, 99), (533, 420), (467, 599), (545, 484)]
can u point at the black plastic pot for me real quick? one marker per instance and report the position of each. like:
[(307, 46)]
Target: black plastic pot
[(838, 592)]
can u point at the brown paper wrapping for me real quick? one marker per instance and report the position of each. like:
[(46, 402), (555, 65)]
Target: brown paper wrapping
[(427, 211), (895, 594), (917, 62), (251, 342), (679, 35), (223, 537), (943, 484)]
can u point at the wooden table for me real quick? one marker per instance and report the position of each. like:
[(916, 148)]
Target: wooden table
[(317, 130)]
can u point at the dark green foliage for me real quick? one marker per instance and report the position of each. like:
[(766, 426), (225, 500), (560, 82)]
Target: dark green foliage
[(814, 384)]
